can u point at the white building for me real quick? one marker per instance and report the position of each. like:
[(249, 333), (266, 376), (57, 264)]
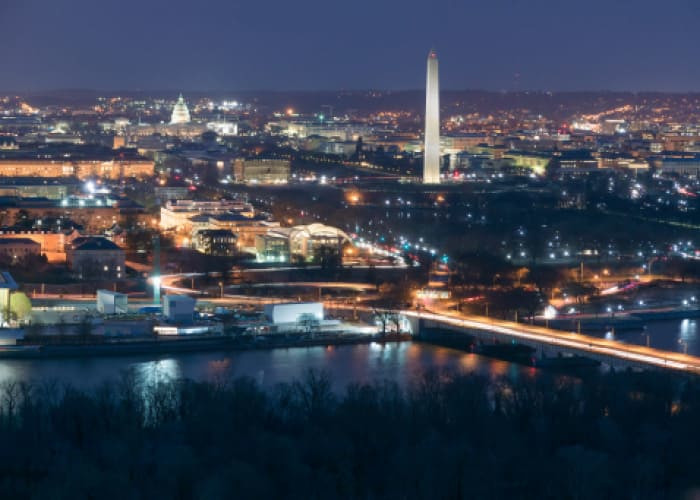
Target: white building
[(181, 113), (178, 308), (177, 214), (223, 128), (111, 302), (293, 312)]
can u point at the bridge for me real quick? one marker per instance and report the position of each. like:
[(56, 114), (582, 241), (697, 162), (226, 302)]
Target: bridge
[(553, 342)]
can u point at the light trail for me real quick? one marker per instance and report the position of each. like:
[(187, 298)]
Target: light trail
[(574, 341)]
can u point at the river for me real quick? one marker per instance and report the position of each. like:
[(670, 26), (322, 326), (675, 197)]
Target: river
[(400, 362), (668, 335)]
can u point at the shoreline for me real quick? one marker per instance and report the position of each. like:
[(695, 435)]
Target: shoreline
[(171, 346)]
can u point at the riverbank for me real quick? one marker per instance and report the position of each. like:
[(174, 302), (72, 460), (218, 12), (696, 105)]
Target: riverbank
[(181, 345)]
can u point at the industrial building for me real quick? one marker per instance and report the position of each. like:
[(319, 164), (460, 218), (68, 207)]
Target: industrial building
[(178, 308), (306, 318), (293, 312), (109, 302)]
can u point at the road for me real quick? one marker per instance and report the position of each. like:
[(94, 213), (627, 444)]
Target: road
[(571, 342)]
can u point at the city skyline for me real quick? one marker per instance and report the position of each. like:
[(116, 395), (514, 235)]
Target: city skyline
[(264, 249), (542, 46)]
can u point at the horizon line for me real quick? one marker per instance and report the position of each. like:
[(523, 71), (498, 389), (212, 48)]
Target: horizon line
[(55, 90)]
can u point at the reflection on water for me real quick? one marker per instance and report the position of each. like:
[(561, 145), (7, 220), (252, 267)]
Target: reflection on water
[(669, 335), (689, 331), (156, 372), (400, 362)]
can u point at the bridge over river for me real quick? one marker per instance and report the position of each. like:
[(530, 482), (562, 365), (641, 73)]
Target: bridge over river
[(552, 342)]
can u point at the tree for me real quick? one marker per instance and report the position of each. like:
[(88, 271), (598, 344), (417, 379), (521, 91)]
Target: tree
[(553, 168), (480, 268), (510, 301), (328, 257), (395, 295), (386, 318), (20, 306), (22, 218), (371, 276), (545, 278), (578, 290), (140, 240), (684, 268)]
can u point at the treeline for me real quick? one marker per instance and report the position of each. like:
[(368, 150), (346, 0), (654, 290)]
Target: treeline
[(446, 436)]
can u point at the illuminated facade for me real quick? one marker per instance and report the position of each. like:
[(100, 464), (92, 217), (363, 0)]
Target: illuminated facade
[(431, 151), (220, 242), (262, 171), (178, 214), (181, 113), (116, 168), (280, 244)]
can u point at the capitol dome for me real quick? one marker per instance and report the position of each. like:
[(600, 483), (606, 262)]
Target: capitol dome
[(181, 114)]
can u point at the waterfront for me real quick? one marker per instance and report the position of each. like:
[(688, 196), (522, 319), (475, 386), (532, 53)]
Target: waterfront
[(399, 362), (670, 335)]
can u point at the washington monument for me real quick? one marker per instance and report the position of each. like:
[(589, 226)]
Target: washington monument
[(431, 151)]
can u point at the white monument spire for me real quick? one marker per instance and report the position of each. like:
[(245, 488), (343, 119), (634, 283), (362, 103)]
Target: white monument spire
[(431, 151)]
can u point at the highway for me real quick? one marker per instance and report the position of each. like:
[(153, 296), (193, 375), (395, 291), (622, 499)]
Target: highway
[(571, 342)]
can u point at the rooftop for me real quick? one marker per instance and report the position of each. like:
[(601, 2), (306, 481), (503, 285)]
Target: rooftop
[(7, 281), (91, 243), (16, 241)]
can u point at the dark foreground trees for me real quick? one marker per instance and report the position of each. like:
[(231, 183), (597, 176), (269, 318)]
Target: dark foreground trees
[(616, 436)]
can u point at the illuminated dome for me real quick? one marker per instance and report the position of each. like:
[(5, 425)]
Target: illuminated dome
[(181, 114), (318, 231), (303, 240)]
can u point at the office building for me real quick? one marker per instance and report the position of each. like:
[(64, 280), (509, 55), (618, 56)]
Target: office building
[(261, 171), (217, 242)]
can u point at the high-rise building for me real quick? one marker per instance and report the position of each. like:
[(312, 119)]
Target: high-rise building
[(181, 114), (431, 150)]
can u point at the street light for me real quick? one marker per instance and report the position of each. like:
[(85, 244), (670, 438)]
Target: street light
[(550, 312), (156, 289)]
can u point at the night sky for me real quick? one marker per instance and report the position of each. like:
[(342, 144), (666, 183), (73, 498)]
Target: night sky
[(358, 44)]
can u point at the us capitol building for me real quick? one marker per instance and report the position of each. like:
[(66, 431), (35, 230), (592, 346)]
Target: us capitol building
[(180, 125), (181, 113)]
